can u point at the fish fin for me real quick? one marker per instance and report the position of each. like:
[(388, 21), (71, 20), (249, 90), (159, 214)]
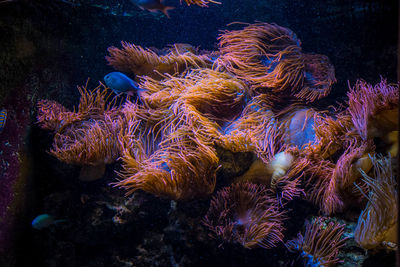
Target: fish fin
[(142, 8), (165, 10)]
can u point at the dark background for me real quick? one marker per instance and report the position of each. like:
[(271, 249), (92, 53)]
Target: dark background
[(48, 47)]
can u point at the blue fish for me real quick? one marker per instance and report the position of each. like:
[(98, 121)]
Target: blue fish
[(43, 221), (3, 119), (120, 83)]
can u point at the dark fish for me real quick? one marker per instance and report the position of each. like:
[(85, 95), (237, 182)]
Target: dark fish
[(3, 118), (152, 6), (43, 221)]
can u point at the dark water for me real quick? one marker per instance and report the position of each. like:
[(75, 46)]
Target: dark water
[(49, 47)]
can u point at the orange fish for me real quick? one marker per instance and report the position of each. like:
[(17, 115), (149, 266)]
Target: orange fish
[(153, 6), (3, 119)]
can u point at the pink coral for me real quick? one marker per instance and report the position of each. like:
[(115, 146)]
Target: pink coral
[(320, 244)]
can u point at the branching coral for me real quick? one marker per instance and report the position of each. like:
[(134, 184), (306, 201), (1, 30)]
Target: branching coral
[(374, 109), (377, 224), (140, 61), (320, 244), (244, 213)]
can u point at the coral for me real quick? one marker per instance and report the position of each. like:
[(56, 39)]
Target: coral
[(319, 77), (328, 182), (244, 213), (52, 115), (270, 56), (256, 129), (374, 109), (180, 168), (332, 133), (265, 55), (88, 142), (377, 224), (140, 61), (88, 136), (320, 244)]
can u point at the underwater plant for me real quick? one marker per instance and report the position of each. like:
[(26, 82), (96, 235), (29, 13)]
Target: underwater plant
[(320, 244), (245, 213), (377, 224)]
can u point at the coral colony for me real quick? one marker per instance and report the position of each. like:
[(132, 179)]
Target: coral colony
[(254, 94)]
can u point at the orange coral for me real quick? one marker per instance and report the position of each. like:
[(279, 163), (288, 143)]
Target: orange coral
[(140, 61), (88, 142), (181, 168), (53, 116), (256, 129), (87, 136), (269, 56), (377, 224), (266, 55)]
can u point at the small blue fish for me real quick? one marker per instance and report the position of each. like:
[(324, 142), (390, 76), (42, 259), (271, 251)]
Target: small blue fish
[(43, 221), (3, 119), (152, 6), (120, 83)]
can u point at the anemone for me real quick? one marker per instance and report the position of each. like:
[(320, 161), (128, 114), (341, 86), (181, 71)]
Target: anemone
[(135, 59), (374, 109), (320, 244), (265, 55), (256, 130), (377, 224), (180, 168), (319, 77), (244, 213)]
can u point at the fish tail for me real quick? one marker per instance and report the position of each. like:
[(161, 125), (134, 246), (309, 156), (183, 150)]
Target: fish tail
[(165, 10)]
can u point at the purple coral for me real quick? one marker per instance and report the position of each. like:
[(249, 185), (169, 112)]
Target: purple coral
[(244, 213), (320, 244)]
